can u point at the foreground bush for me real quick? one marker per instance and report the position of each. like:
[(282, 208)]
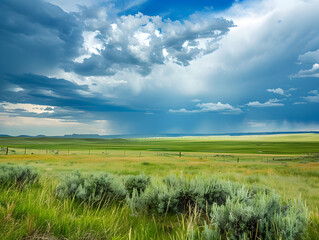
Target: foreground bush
[(264, 216), (92, 189), (139, 183), (178, 195), (236, 212), (17, 175), (230, 210)]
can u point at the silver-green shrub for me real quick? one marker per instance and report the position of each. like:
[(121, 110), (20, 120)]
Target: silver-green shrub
[(138, 182), (178, 195), (260, 216), (92, 189), (17, 175), (70, 185), (155, 199), (236, 211)]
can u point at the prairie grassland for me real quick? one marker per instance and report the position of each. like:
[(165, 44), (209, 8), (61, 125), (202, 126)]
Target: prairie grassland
[(289, 176), (269, 144), (36, 213)]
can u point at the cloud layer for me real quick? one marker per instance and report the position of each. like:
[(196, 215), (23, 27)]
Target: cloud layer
[(270, 103), (121, 67), (210, 107), (139, 41)]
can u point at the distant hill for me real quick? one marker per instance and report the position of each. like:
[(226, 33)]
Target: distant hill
[(83, 136), (159, 135)]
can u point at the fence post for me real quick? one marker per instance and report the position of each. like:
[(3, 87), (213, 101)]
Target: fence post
[(25, 151), (7, 151), (180, 154)]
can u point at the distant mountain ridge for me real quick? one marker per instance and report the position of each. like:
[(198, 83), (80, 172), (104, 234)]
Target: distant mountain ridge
[(159, 135)]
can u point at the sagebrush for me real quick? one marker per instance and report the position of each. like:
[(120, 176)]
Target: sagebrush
[(11, 175), (227, 209), (92, 189), (138, 182)]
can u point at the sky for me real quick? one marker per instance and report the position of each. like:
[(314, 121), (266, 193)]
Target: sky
[(158, 67)]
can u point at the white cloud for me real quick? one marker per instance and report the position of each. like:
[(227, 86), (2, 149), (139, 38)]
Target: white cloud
[(217, 107), (270, 103), (17, 125), (314, 92), (91, 45), (32, 121), (210, 107), (314, 97), (313, 72), (32, 108), (309, 57), (277, 90), (137, 42), (182, 110), (280, 91)]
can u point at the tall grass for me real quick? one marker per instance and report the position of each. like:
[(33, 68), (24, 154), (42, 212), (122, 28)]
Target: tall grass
[(37, 212), (34, 211)]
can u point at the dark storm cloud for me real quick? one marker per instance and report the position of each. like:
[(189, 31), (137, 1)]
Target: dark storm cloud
[(137, 42), (36, 36), (55, 92)]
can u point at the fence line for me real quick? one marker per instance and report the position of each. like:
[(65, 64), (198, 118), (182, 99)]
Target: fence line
[(230, 157)]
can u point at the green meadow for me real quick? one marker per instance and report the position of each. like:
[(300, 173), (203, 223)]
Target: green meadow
[(289, 164), (268, 144)]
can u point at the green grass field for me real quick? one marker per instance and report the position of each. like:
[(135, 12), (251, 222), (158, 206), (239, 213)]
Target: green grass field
[(287, 163), (267, 144)]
